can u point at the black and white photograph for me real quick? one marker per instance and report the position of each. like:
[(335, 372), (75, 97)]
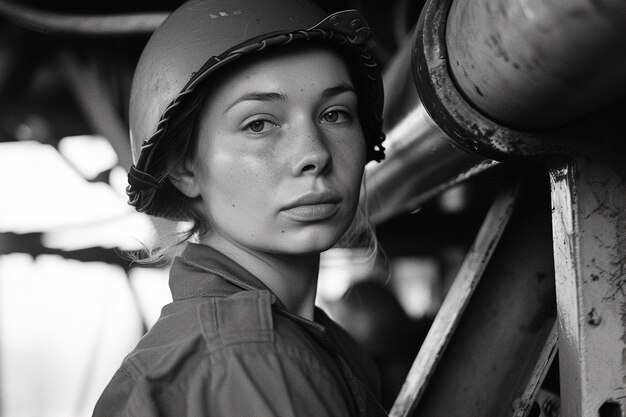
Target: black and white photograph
[(313, 208)]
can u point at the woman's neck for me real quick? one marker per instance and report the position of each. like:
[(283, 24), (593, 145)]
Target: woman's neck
[(292, 278)]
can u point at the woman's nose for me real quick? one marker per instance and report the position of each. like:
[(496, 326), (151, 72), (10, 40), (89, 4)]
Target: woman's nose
[(312, 156)]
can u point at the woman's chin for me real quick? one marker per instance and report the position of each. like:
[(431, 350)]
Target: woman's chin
[(305, 243)]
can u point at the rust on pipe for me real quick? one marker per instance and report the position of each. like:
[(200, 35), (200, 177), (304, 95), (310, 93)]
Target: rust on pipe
[(468, 126), (532, 64)]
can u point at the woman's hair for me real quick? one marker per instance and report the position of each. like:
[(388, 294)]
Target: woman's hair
[(187, 222), (361, 233)]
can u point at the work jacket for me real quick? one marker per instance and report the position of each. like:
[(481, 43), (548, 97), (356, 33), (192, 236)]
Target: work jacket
[(226, 346)]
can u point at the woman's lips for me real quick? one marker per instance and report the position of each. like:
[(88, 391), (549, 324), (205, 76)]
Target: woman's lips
[(312, 212), (313, 206)]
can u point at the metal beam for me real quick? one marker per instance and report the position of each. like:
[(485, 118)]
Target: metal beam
[(589, 222), (451, 311), (495, 326), (522, 406), (95, 99)]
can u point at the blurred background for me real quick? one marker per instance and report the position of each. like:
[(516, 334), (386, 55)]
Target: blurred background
[(71, 303)]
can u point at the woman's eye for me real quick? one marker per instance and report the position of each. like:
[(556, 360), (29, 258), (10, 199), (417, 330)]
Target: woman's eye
[(335, 116), (259, 126)]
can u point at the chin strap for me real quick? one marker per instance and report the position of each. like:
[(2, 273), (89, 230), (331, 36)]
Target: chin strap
[(141, 189)]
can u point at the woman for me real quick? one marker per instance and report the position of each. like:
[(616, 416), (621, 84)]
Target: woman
[(259, 121)]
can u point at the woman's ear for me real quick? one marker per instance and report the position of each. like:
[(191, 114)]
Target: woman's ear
[(182, 177)]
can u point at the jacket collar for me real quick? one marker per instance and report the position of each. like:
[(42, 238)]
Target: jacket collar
[(202, 271)]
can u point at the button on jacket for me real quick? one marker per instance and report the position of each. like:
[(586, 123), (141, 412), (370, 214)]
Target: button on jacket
[(226, 346)]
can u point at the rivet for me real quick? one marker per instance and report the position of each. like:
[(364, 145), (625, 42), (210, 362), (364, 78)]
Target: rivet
[(594, 318)]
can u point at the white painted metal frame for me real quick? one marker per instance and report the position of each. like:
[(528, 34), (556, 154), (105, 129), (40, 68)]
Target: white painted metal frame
[(589, 224)]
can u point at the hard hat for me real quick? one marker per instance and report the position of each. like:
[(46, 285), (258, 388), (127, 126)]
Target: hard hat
[(203, 36)]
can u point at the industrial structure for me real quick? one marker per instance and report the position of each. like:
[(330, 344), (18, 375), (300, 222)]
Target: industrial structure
[(534, 321)]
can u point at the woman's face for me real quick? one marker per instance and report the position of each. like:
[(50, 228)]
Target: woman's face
[(280, 154)]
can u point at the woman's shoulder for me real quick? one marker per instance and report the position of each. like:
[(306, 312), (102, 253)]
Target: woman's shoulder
[(235, 340), (202, 332), (202, 325)]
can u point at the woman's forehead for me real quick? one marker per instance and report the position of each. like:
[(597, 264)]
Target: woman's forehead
[(294, 70)]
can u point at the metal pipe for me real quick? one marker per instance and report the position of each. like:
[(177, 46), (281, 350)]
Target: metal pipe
[(421, 161), (532, 64), (468, 126), (424, 157), (75, 24)]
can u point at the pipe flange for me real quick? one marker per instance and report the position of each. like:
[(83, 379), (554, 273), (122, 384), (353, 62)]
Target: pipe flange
[(466, 126)]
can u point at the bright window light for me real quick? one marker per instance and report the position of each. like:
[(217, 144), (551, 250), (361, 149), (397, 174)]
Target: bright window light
[(133, 231), (66, 326), (152, 289), (40, 192), (416, 284), (89, 154), (118, 178), (340, 268)]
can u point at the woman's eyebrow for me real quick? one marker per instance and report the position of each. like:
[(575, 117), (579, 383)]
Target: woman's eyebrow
[(258, 96), (341, 88)]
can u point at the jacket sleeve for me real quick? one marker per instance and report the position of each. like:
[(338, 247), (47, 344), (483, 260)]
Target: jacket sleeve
[(249, 384), (269, 384), (125, 397)]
